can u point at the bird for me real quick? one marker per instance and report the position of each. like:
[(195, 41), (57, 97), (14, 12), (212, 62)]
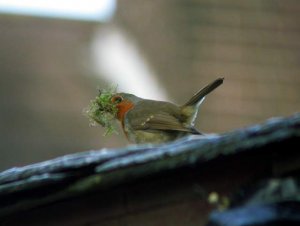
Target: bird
[(152, 121)]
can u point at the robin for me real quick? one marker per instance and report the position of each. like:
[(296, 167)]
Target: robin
[(151, 121)]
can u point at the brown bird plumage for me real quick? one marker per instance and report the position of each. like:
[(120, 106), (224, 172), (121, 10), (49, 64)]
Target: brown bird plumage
[(151, 121)]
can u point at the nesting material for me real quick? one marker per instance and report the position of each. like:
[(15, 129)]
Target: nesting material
[(102, 111)]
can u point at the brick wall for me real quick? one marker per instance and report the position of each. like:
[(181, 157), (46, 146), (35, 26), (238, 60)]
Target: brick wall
[(45, 83), (254, 44)]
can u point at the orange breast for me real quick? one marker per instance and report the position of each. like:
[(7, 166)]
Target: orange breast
[(123, 107)]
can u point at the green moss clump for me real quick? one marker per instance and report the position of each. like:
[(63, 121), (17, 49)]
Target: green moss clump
[(102, 111)]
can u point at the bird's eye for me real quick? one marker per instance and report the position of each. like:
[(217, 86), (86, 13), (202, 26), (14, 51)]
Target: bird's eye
[(117, 99)]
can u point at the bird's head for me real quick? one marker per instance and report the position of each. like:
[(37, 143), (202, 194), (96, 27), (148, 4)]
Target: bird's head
[(124, 102)]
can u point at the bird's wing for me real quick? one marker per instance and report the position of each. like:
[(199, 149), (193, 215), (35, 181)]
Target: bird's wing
[(160, 121)]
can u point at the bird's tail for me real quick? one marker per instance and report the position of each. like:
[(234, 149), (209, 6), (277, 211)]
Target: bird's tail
[(203, 92)]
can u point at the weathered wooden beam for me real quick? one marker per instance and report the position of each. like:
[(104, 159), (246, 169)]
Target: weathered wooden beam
[(273, 202), (72, 177)]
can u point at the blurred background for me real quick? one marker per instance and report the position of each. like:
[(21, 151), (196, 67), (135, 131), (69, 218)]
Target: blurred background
[(54, 55)]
